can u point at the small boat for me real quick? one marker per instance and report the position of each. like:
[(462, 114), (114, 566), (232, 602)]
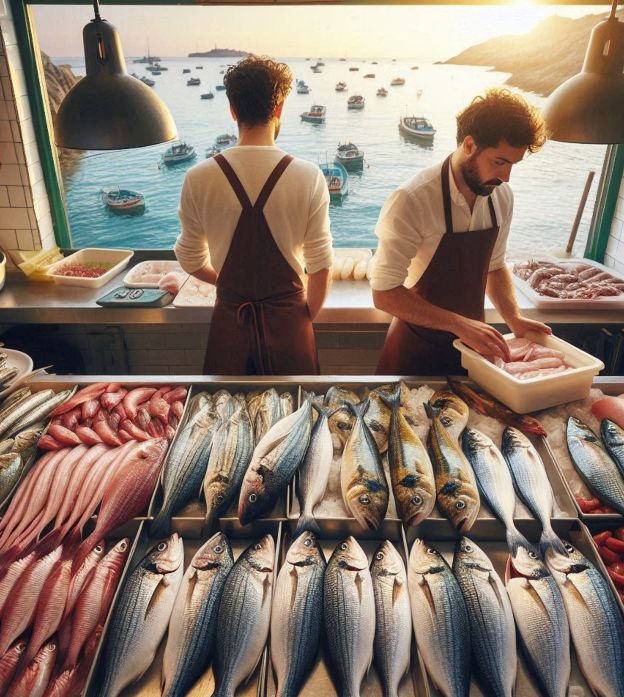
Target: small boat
[(147, 59), (315, 115), (417, 127), (353, 68), (341, 86), (414, 67), (316, 69), (343, 59), (349, 156), (356, 101), (303, 89), (225, 139), (220, 88), (199, 67), (207, 95), (382, 92), (157, 67), (212, 151), (156, 72), (374, 63), (179, 152), (319, 63), (193, 82), (147, 81), (185, 70), (337, 179), (123, 201), (397, 81), (369, 75)]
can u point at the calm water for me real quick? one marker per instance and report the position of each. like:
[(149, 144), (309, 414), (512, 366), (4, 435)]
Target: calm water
[(547, 186)]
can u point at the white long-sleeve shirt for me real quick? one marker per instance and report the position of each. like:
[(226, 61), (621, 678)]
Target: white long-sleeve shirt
[(411, 225), (297, 210)]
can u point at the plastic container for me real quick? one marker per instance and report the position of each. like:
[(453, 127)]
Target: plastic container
[(537, 393), (135, 278), (117, 259)]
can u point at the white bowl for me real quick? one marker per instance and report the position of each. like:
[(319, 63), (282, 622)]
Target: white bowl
[(16, 359)]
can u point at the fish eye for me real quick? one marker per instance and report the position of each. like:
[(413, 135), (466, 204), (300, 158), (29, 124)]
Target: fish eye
[(467, 548), (568, 547), (364, 499), (307, 542), (220, 498), (532, 555), (123, 546), (162, 547), (344, 426), (257, 546), (446, 421), (343, 546), (460, 505), (252, 498), (379, 556), (21, 647), (430, 550), (416, 500), (218, 549), (99, 549)]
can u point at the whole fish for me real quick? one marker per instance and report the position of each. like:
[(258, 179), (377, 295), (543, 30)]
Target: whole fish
[(197, 402), (9, 663), (452, 410), (313, 474), (287, 404), (253, 402), (492, 629), (31, 411), (297, 615), (531, 483), (34, 679), (440, 620), (342, 421), (495, 484), (541, 621), (13, 399), (378, 415), (393, 627), (233, 446), (596, 621), (349, 613), (140, 619), (193, 623), (268, 414), (18, 411), (185, 467), (273, 464), (456, 487), (10, 472), (594, 465), (613, 438), (244, 616), (411, 471), (337, 395)]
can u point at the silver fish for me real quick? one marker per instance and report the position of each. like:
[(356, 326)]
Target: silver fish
[(197, 402), (349, 610), (141, 616), (362, 478), (268, 414), (393, 628), (13, 398), (492, 629), (452, 410), (18, 411), (596, 621), (193, 623), (378, 416), (253, 403), (297, 615), (342, 420), (336, 395), (440, 620), (10, 472), (541, 621), (531, 482), (613, 438), (244, 616), (221, 402), (7, 374), (287, 404), (592, 462), (31, 413)]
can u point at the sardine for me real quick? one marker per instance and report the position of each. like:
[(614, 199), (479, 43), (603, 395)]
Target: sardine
[(268, 414), (494, 481), (233, 446), (440, 620), (492, 629), (531, 483), (411, 471), (393, 628), (362, 479), (287, 405), (31, 412), (541, 621), (596, 621), (313, 474), (140, 619), (10, 472), (193, 624), (25, 407), (456, 487), (244, 616), (273, 464), (613, 438), (452, 410), (594, 465), (297, 615), (349, 613), (221, 402)]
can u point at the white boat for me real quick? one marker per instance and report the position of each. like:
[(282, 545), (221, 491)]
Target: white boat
[(341, 86), (315, 115), (349, 156), (418, 128), (193, 82), (225, 139), (179, 152), (397, 81), (356, 101), (303, 89)]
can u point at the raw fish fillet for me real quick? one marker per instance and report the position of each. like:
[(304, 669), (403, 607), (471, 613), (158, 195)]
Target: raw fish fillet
[(520, 367)]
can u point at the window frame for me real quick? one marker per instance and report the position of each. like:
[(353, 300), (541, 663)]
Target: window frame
[(608, 187)]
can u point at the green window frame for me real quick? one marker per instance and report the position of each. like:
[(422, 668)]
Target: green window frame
[(608, 187)]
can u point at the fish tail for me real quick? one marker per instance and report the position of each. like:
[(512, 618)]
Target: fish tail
[(161, 525), (208, 522), (516, 539), (550, 540), (392, 399), (358, 409), (307, 522), (430, 411)]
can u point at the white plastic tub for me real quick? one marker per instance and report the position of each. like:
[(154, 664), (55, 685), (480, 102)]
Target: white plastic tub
[(534, 393), (136, 277), (118, 259)]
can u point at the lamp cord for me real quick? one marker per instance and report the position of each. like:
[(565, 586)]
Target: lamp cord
[(96, 9), (611, 16)]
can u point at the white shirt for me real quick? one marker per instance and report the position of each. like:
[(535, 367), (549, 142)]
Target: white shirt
[(297, 210), (411, 225)]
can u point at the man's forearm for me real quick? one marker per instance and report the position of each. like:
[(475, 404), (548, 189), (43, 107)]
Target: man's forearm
[(501, 292), (409, 307), (206, 274), (317, 289)]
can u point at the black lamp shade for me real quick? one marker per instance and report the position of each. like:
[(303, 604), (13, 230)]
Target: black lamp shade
[(589, 107), (109, 109)]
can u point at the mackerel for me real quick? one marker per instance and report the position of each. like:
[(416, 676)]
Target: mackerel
[(24, 408)]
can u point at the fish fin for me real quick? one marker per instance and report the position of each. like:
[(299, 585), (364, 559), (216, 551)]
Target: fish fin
[(266, 590), (429, 410), (161, 525), (358, 585), (516, 539), (307, 522), (397, 590), (496, 589), (358, 409), (155, 599), (550, 540), (391, 399), (295, 583)]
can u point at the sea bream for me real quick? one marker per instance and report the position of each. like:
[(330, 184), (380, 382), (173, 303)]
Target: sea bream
[(452, 410), (342, 421), (193, 623), (297, 615), (613, 438), (393, 625), (268, 414), (244, 616), (349, 613), (140, 619), (440, 620)]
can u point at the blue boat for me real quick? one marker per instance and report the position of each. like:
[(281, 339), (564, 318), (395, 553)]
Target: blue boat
[(337, 179), (220, 88), (178, 153), (417, 128), (315, 115)]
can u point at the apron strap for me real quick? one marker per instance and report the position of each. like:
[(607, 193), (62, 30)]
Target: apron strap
[(492, 212), (270, 183), (235, 182), (446, 198)]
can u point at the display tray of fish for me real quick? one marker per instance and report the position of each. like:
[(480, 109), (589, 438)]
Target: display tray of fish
[(195, 589), (201, 481), (332, 593)]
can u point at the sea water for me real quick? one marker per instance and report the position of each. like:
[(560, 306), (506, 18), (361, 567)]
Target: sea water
[(547, 186)]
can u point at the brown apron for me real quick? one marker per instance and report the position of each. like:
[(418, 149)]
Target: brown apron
[(455, 280), (261, 324)]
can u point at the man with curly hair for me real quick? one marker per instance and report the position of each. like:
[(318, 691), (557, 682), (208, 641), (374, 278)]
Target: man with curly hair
[(442, 240), (255, 222)]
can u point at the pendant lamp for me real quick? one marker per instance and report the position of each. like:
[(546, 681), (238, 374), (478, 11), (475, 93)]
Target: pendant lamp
[(589, 107), (109, 109)]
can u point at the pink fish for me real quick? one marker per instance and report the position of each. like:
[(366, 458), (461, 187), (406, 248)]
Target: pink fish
[(46, 442), (136, 397), (537, 351), (78, 580), (71, 418), (611, 408), (8, 664), (34, 679), (109, 400), (178, 393), (62, 685), (87, 435), (89, 409), (133, 430), (518, 347), (15, 570), (158, 407), (64, 435), (103, 428), (84, 395)]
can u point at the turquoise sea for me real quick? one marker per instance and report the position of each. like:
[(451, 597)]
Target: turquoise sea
[(547, 186)]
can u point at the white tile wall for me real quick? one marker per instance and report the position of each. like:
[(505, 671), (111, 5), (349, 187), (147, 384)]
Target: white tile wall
[(614, 256)]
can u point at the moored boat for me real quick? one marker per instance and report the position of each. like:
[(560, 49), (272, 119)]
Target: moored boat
[(220, 88), (212, 151), (302, 88), (146, 80), (382, 92), (156, 72), (369, 75), (185, 70), (349, 156), (225, 140), (353, 68), (397, 81), (356, 101), (341, 86), (178, 152), (315, 115), (418, 128), (123, 201), (337, 179), (207, 95), (147, 59), (193, 82)]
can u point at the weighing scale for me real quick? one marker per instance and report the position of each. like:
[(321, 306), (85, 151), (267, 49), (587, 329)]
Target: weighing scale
[(135, 297)]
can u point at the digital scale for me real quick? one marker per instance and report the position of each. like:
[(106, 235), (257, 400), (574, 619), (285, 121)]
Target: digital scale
[(135, 297)]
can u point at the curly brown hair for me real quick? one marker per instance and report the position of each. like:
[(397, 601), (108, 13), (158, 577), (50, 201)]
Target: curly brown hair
[(255, 86), (501, 115)]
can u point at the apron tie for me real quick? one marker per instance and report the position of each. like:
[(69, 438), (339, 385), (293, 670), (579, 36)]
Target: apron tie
[(250, 310)]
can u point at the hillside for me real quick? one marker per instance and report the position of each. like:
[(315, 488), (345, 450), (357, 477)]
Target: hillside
[(540, 60), (219, 53)]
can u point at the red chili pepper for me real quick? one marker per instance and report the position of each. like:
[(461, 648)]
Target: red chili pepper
[(615, 545), (619, 533), (618, 568), (601, 537), (587, 505), (618, 579), (608, 556)]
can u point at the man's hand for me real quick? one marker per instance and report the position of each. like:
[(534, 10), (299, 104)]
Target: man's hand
[(521, 325), (482, 338)]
